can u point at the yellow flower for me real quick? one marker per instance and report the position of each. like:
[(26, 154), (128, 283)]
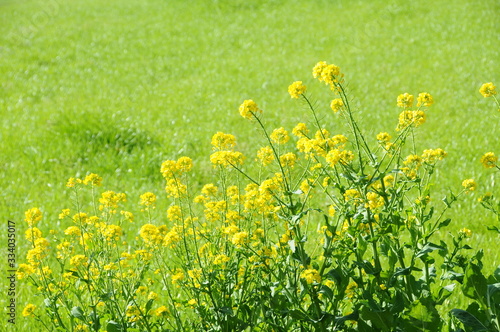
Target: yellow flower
[(248, 109), (424, 99), (221, 259), (409, 118), (150, 234), (405, 100), (178, 276), (148, 199), (336, 104), (33, 216), (383, 137), (29, 310), (430, 156), (265, 155), (73, 230), (288, 159), (24, 270), (488, 90), (64, 213), (296, 89), (311, 276), (221, 141), (141, 290), (78, 260), (110, 199), (184, 164), (93, 179), (81, 328), (280, 136), (489, 160), (227, 158), (161, 311), (469, 185), (239, 238), (374, 200), (466, 232), (300, 130), (168, 168), (209, 189), (174, 213), (152, 296), (32, 234)]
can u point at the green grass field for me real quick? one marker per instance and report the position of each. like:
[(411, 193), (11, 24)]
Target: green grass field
[(115, 88)]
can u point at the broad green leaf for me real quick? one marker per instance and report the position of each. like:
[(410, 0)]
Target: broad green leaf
[(77, 312), (468, 320)]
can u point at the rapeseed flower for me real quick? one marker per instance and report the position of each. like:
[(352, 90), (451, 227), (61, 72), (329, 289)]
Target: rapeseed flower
[(424, 99), (311, 276), (265, 155), (336, 105), (489, 160), (248, 109), (280, 136), (405, 100), (296, 89), (29, 310), (488, 90), (469, 185), (33, 216)]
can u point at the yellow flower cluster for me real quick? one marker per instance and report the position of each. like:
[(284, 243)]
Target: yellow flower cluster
[(488, 90), (489, 160), (321, 144), (469, 185), (221, 141), (296, 89), (311, 276), (327, 73), (280, 136), (265, 155), (249, 109), (431, 156), (336, 105)]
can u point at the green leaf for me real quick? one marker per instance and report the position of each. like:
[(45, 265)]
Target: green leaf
[(422, 316), (149, 304), (77, 312), (429, 247), (113, 326), (379, 319), (475, 284), (468, 320)]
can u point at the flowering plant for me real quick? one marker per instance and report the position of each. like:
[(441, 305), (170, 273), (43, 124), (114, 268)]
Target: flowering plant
[(322, 232)]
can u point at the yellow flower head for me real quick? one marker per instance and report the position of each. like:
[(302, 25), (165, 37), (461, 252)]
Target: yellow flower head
[(248, 109), (227, 158), (265, 155), (288, 159), (424, 99), (280, 136), (32, 234), (29, 310), (148, 199), (221, 141), (79, 260), (488, 90), (383, 137), (184, 164), (465, 232), (161, 311), (405, 100), (300, 130), (311, 276), (431, 156), (174, 213), (489, 160), (469, 185), (93, 179), (33, 216), (336, 105), (296, 89)]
